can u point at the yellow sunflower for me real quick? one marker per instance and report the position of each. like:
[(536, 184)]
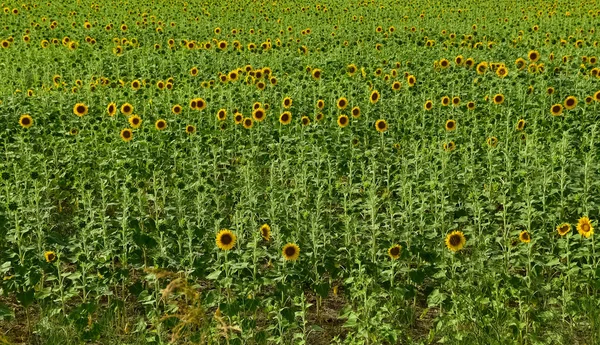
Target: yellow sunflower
[(80, 109), (492, 141), (305, 120), (259, 114), (287, 102), (563, 229), (50, 256), (111, 109), (343, 121), (285, 118), (374, 96), (248, 123), (520, 125), (533, 56), (176, 109), (455, 241), (135, 121), (126, 134), (584, 227), (265, 232), (225, 239), (320, 104), (190, 129), (381, 126), (499, 99), (342, 103), (127, 109), (449, 147), (428, 105), (26, 121), (570, 102), (556, 109), (160, 124), (450, 125), (290, 252), (394, 251), (524, 236)]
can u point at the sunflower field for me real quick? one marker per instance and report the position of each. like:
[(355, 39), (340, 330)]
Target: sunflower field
[(299, 172)]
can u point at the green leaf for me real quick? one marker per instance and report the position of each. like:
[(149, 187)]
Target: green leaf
[(214, 275)]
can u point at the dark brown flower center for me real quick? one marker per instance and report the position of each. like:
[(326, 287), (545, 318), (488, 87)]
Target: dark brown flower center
[(285, 117), (290, 251), (80, 109), (395, 251), (343, 120), (126, 109), (25, 121), (381, 125), (126, 134), (226, 239), (570, 102), (454, 240)]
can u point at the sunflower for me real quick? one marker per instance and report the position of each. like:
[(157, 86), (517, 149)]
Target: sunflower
[(287, 102), (445, 100), (533, 55), (189, 129), (80, 109), (381, 126), (248, 123), (111, 109), (459, 60), (521, 64), (584, 227), (492, 141), (135, 121), (285, 118), (305, 120), (482, 67), (200, 104), (290, 252), (520, 125), (225, 239), (570, 102), (455, 241), (556, 109), (499, 99), (343, 121), (502, 71), (136, 85), (342, 103), (194, 71), (355, 112), (394, 251), (563, 229), (221, 114), (471, 105), (525, 236), (320, 104), (238, 118), (160, 85), (74, 131), (396, 85), (126, 134), (316, 73), (26, 121), (449, 147), (351, 69), (127, 109), (428, 105), (597, 96), (411, 80), (456, 101), (319, 117), (176, 109), (50, 256), (265, 232), (450, 125), (444, 63), (160, 124)]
